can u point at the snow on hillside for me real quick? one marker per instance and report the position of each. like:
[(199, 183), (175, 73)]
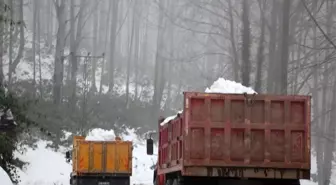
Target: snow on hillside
[(49, 167), (25, 69), (4, 179), (46, 166)]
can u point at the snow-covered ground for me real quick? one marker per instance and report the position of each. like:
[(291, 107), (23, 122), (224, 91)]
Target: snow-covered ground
[(4, 179), (48, 167)]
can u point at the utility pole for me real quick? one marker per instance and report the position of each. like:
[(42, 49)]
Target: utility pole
[(85, 87)]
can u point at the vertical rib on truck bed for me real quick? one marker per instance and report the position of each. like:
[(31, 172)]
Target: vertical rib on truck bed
[(219, 132)]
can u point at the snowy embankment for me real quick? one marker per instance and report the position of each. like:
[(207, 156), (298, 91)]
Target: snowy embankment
[(48, 167), (4, 179)]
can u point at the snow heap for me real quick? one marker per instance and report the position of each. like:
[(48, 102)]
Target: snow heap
[(4, 178), (227, 86), (99, 134), (45, 166), (220, 86)]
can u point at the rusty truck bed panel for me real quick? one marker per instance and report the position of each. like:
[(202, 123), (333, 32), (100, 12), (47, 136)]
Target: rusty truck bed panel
[(228, 130), (107, 157)]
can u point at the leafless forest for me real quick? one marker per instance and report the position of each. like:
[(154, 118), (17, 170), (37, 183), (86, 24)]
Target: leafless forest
[(106, 63)]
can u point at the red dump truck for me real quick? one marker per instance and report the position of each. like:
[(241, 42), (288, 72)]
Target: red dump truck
[(235, 139)]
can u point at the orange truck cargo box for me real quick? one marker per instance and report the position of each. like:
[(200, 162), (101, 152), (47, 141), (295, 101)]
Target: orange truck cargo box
[(261, 136), (101, 157)]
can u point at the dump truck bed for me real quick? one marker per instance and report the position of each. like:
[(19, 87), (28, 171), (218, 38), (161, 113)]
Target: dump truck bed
[(102, 157), (233, 135)]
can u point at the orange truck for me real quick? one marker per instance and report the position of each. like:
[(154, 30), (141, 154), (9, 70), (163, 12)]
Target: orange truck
[(100, 162)]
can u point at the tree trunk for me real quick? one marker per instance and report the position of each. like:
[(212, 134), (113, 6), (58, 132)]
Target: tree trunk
[(74, 44), (59, 54), (246, 66), (145, 43), (10, 57), (50, 26), (159, 65), (72, 57), (95, 40), (105, 46), (235, 60), (19, 56), (39, 50), (136, 17), (329, 127), (130, 54), (284, 47), (2, 32), (272, 49), (316, 103), (113, 36), (260, 55), (35, 4)]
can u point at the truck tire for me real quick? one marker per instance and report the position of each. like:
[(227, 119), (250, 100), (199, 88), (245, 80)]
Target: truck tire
[(180, 181), (169, 182)]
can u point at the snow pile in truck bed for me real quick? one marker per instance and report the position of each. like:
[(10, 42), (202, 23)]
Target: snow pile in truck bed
[(220, 86), (227, 86), (4, 178), (100, 135)]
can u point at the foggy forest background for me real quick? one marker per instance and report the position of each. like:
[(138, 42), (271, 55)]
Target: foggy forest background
[(108, 63)]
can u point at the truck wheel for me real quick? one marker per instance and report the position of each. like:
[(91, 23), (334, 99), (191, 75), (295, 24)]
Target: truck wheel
[(179, 181), (169, 182)]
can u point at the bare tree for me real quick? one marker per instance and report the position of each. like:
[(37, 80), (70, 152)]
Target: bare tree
[(114, 8), (13, 64), (159, 75), (59, 53), (272, 49), (260, 55), (130, 55), (2, 38), (95, 40), (284, 47), (246, 65), (35, 9)]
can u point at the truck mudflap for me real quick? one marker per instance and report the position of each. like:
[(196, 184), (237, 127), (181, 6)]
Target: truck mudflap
[(99, 180)]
